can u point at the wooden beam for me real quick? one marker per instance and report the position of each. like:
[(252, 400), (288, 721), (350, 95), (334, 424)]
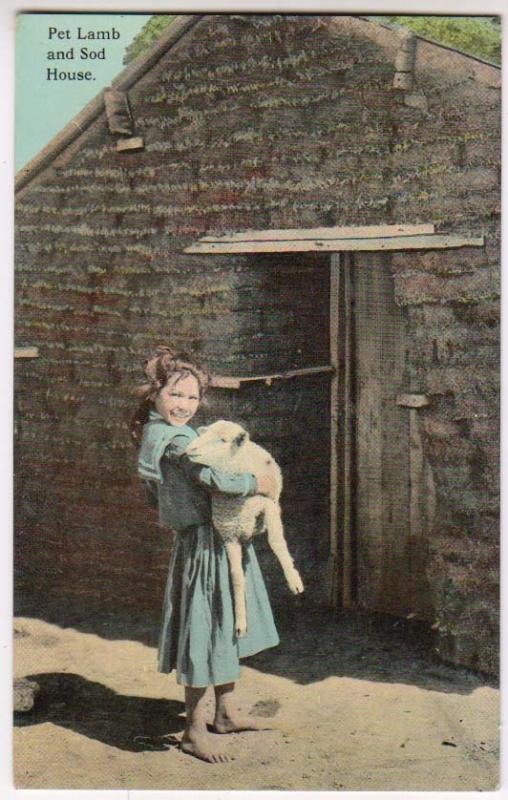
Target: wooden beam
[(412, 400), (340, 585), (335, 390), (26, 352), (425, 242), (118, 112), (235, 382), (290, 234), (416, 475), (348, 410), (225, 382), (133, 144)]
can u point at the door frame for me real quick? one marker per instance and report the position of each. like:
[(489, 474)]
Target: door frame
[(342, 592)]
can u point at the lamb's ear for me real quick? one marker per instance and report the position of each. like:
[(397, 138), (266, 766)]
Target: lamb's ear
[(202, 429)]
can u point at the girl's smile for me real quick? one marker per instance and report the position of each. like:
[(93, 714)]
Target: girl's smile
[(178, 401)]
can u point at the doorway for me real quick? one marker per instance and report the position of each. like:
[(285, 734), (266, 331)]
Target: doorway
[(278, 388), (380, 488)]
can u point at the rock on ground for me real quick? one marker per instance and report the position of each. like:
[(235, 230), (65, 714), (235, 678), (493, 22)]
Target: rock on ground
[(24, 694)]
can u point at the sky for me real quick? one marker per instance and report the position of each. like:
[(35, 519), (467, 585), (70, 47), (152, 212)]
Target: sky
[(44, 107)]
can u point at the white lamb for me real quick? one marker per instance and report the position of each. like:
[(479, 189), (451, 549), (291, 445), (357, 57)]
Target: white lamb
[(226, 446)]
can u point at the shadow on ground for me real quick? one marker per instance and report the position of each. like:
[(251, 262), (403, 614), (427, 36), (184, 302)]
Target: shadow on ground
[(107, 621), (130, 723), (315, 644)]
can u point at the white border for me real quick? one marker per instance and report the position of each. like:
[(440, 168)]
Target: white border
[(8, 10)]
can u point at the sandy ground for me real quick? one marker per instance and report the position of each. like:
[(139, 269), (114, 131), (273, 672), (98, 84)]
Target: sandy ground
[(353, 708)]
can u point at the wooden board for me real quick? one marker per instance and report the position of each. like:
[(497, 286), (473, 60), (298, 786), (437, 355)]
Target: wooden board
[(348, 571), (235, 382), (26, 352), (118, 112), (389, 466), (420, 242), (290, 234), (412, 400), (343, 447), (133, 144), (416, 477), (335, 404)]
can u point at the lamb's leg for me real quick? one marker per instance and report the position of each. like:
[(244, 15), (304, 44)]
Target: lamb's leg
[(234, 551), (277, 542)]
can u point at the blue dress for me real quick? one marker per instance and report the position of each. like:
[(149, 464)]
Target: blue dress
[(197, 636)]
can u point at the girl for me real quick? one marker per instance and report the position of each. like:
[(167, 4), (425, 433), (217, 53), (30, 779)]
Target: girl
[(197, 638)]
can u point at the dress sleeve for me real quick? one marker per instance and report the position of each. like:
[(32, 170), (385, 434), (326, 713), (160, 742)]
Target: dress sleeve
[(240, 483)]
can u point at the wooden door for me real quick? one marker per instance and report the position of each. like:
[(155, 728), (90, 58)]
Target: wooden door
[(382, 477)]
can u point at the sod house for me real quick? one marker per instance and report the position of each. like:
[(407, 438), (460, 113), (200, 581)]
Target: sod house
[(311, 204)]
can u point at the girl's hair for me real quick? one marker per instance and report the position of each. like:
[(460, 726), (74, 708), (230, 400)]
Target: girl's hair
[(162, 365)]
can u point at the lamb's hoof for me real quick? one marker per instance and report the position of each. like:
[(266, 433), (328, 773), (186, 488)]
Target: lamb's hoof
[(241, 631), (295, 584)]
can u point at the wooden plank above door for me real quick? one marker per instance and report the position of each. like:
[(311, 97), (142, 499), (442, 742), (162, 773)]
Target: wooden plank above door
[(291, 234), (241, 243)]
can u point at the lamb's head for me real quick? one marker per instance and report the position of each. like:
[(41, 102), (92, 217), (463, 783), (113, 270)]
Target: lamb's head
[(217, 444)]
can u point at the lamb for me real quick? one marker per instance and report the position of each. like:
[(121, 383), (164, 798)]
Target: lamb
[(226, 446)]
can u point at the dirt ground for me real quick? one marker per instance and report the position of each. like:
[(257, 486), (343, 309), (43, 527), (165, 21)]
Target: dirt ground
[(353, 706)]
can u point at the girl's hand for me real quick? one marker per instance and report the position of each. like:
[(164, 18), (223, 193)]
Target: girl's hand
[(266, 485)]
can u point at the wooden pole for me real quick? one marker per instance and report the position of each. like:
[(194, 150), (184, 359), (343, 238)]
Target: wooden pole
[(341, 585), (235, 381), (348, 407), (334, 589)]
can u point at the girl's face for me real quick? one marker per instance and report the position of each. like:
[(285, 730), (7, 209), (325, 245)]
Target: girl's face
[(178, 400)]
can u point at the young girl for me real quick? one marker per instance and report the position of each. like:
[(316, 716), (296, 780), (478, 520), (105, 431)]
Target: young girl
[(197, 638)]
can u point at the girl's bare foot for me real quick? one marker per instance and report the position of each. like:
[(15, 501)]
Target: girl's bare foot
[(200, 745), (196, 740), (231, 723), (227, 720)]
